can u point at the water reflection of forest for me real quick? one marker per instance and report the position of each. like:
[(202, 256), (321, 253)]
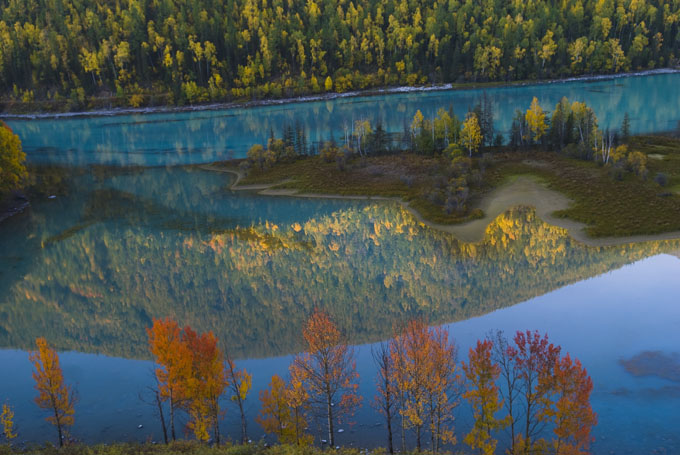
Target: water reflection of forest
[(96, 289)]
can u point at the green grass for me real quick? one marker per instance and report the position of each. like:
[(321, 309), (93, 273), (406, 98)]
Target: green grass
[(609, 207)]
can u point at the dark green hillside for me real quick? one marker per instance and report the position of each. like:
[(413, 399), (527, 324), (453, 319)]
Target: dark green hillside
[(137, 52)]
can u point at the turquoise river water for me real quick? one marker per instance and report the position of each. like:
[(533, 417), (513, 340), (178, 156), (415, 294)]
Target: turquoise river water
[(90, 268)]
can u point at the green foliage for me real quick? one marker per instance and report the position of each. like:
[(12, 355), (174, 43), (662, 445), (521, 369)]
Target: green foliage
[(255, 48), (12, 160)]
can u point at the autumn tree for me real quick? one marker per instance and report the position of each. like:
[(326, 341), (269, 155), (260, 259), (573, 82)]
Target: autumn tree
[(535, 358), (443, 388), (483, 394), (298, 401), (282, 412), (174, 360), (12, 159), (425, 376), (386, 397), (471, 135), (569, 412), (275, 416), (54, 395), (328, 371), (239, 383), (7, 422), (412, 365), (205, 384), (535, 118)]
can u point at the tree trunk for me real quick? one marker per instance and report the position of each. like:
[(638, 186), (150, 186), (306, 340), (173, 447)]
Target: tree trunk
[(61, 436), (244, 432), (403, 435), (159, 403), (390, 445), (172, 419), (331, 433)]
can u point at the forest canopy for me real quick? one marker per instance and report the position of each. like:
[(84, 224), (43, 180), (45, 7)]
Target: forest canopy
[(141, 51)]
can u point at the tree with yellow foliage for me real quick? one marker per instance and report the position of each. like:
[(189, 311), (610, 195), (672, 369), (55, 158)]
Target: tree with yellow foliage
[(239, 382), (535, 118), (283, 412), (53, 394), (12, 159), (471, 135), (482, 373), (7, 422)]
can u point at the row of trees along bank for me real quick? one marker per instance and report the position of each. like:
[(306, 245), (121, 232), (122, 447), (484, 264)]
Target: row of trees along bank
[(523, 386)]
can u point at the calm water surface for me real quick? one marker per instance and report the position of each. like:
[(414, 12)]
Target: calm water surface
[(653, 103), (90, 268)]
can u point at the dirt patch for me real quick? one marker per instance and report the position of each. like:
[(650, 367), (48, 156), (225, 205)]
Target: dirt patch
[(656, 156)]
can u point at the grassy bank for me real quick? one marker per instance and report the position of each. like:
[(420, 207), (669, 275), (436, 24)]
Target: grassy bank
[(609, 205)]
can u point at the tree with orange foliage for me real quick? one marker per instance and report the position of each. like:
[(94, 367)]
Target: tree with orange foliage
[(535, 358), (7, 422), (426, 377), (205, 384), (328, 371), (280, 415), (386, 397), (275, 413), (53, 395), (174, 360), (240, 382), (412, 365), (483, 394), (569, 411), (443, 388)]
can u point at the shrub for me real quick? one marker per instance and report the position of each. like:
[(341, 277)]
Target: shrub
[(661, 179)]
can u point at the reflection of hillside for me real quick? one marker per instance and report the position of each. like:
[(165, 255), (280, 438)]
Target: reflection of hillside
[(97, 289)]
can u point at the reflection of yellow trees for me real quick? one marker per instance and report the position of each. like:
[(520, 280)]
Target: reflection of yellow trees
[(370, 266)]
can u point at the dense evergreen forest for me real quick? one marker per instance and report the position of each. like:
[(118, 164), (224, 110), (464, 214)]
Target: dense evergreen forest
[(137, 52)]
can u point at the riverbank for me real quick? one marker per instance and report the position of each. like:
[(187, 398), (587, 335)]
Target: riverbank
[(12, 204), (36, 110), (580, 196)]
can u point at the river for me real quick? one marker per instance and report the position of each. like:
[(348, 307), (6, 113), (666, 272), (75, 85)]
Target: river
[(118, 246)]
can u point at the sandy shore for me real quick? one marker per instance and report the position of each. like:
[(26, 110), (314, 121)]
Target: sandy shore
[(521, 191)]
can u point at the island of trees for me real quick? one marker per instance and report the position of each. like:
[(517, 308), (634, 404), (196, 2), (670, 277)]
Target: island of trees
[(137, 52), (523, 388), (442, 166)]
